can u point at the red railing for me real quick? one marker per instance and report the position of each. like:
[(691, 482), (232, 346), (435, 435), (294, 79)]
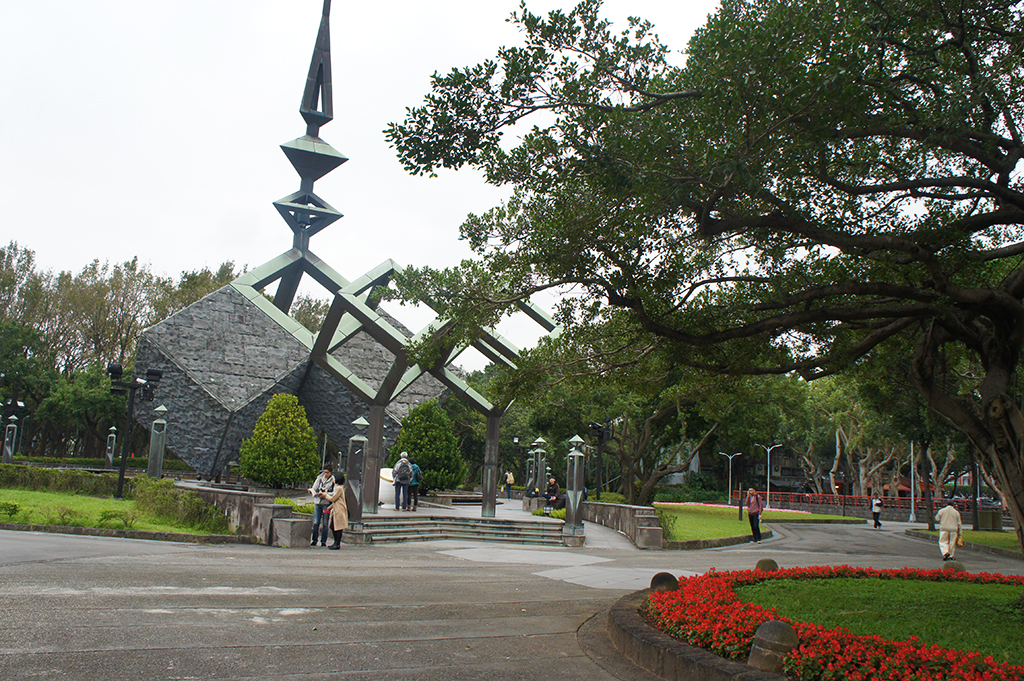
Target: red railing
[(839, 501)]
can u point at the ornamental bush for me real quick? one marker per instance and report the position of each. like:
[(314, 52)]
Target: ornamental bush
[(428, 437), (282, 448)]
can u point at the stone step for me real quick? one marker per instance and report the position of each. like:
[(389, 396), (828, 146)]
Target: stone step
[(388, 529)]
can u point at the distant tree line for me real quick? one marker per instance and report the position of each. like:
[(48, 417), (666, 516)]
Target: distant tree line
[(59, 330)]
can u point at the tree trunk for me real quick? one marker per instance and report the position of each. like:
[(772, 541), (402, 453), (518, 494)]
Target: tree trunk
[(993, 423)]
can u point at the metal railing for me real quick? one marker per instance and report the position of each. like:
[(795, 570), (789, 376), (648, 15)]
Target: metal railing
[(840, 501)]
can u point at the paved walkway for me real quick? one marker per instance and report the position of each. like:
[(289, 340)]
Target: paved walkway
[(100, 609)]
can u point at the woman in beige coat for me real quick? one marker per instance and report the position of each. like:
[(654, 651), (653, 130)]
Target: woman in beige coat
[(339, 511)]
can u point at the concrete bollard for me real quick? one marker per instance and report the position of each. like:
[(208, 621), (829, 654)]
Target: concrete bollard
[(771, 643), (664, 581), (767, 564)]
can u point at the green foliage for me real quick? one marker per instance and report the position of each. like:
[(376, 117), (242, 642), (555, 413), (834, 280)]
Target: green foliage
[(282, 449), (687, 493), (64, 515), (427, 436), (9, 508), (932, 611), (162, 500), (767, 207), (558, 513), (297, 507), (612, 498), (126, 516), (54, 480)]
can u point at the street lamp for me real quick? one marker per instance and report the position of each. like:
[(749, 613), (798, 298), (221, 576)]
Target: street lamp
[(730, 475), (768, 469), (10, 436), (119, 387)]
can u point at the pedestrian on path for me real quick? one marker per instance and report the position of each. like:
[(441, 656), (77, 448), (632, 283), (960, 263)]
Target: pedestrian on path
[(876, 510), (508, 482), (402, 476), (322, 487), (339, 512), (414, 485), (754, 508), (950, 530)]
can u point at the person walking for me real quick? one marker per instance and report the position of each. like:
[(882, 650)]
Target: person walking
[(402, 476), (754, 507), (876, 510), (338, 517), (414, 486), (508, 482), (322, 487), (950, 530)]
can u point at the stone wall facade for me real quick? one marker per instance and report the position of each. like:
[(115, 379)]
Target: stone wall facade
[(223, 358)]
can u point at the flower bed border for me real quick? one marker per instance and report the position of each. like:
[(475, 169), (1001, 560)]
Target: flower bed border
[(711, 614)]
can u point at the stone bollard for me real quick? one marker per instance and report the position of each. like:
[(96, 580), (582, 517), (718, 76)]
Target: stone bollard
[(767, 564), (771, 643), (955, 566), (664, 581)]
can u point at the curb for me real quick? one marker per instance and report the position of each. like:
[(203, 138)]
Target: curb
[(698, 544), (672, 660), (133, 534), (980, 548)]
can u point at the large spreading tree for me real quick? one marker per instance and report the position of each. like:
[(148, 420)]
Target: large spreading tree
[(817, 180)]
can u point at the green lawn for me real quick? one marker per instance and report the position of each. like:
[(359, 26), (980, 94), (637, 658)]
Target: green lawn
[(981, 617), (687, 522), (48, 508)]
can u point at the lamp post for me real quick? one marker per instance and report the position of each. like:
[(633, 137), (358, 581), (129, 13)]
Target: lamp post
[(120, 387), (730, 456), (913, 467), (572, 531), (10, 437), (157, 440), (540, 464), (355, 496), (768, 470)]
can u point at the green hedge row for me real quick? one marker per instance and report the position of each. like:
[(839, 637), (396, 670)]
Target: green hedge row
[(65, 481)]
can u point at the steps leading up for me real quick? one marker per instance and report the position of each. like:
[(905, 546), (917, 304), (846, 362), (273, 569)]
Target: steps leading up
[(423, 527)]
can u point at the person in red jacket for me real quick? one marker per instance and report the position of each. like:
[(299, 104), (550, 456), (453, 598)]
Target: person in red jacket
[(754, 508)]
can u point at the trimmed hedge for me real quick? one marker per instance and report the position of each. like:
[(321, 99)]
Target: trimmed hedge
[(54, 480)]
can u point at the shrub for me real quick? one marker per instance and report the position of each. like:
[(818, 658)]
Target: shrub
[(62, 515), (162, 500), (9, 508), (428, 437), (609, 498), (557, 513), (282, 448), (54, 480), (127, 516)]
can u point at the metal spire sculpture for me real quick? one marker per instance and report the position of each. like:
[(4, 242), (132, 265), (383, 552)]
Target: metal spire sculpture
[(305, 212)]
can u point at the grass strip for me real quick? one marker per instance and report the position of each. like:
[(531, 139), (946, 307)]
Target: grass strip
[(687, 522), (50, 508)]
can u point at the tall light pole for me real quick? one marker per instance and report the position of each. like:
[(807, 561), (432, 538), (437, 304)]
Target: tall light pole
[(768, 470), (730, 475), (913, 466)]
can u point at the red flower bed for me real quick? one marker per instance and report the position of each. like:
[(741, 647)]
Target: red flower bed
[(705, 612)]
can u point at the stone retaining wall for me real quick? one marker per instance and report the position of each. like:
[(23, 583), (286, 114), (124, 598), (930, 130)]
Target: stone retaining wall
[(639, 523), (672, 660)]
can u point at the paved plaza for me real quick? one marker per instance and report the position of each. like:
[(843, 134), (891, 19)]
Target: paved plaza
[(101, 609)]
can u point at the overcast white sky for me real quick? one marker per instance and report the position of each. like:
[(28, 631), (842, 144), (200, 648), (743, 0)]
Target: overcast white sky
[(136, 128)]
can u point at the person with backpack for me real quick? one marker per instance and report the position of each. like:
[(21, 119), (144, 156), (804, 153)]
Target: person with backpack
[(402, 476), (414, 486), (509, 481)]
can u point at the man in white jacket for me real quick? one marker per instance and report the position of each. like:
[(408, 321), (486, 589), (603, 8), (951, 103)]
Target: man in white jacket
[(950, 528)]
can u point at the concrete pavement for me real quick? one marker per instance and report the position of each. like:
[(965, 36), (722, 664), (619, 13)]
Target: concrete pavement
[(97, 609)]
